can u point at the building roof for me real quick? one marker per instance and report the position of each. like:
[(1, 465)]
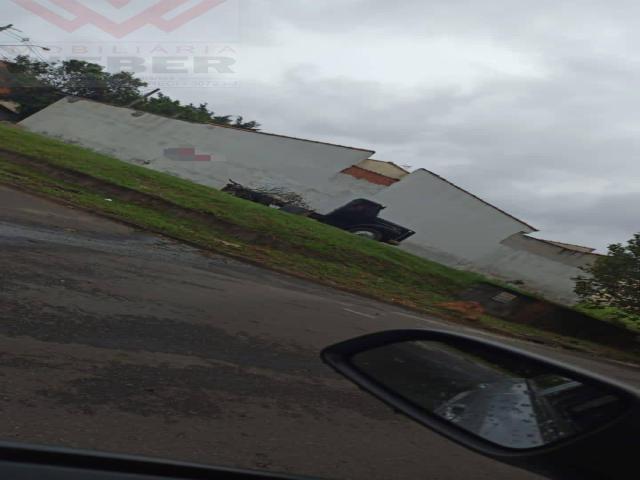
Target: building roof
[(217, 125), (569, 246), (13, 107), (383, 163), (534, 229)]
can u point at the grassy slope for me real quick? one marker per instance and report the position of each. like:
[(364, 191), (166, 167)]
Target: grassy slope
[(299, 244), (281, 241), (613, 315)]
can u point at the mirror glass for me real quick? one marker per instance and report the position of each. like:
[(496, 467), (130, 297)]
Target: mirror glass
[(502, 397)]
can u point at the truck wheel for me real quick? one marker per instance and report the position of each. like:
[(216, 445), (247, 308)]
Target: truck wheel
[(371, 234)]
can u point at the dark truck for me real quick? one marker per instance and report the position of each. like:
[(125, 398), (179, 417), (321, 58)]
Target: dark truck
[(359, 217)]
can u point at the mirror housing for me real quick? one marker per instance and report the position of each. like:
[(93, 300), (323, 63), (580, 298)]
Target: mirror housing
[(607, 451)]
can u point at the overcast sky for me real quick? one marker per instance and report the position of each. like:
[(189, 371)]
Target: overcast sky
[(532, 105)]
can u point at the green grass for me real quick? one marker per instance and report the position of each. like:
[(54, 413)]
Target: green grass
[(241, 229), (612, 315), (530, 333), (285, 242)]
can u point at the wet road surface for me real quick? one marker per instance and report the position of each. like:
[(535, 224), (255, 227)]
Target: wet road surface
[(116, 340)]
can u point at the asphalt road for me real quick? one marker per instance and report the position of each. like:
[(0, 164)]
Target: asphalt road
[(116, 340)]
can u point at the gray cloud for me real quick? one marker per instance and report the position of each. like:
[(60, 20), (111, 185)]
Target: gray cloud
[(516, 142)]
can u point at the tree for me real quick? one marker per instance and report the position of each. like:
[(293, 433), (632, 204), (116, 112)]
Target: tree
[(164, 105), (240, 123), (38, 84), (29, 87), (614, 280)]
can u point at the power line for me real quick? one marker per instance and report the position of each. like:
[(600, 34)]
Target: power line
[(14, 36), (38, 54), (17, 38), (25, 45), (7, 29)]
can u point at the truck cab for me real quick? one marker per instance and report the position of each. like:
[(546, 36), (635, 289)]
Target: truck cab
[(361, 218)]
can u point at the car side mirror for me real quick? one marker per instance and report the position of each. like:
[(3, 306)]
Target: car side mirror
[(507, 404)]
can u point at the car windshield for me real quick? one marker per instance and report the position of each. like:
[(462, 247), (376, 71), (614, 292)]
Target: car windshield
[(198, 196)]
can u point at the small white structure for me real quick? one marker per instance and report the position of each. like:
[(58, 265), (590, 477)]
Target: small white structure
[(459, 229), (452, 225), (543, 266)]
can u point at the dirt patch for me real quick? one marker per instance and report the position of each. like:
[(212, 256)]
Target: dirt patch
[(468, 310)]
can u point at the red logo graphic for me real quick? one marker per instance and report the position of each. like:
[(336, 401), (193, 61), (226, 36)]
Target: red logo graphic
[(153, 15)]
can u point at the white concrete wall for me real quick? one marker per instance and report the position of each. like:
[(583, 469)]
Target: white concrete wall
[(343, 188), (255, 159), (451, 226), (542, 267)]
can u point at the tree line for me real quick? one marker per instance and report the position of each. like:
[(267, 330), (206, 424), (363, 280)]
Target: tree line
[(36, 84)]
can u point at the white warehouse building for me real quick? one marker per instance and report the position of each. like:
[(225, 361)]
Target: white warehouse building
[(206, 154)]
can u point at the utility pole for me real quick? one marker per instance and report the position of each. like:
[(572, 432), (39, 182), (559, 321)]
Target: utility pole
[(23, 41), (143, 98)]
